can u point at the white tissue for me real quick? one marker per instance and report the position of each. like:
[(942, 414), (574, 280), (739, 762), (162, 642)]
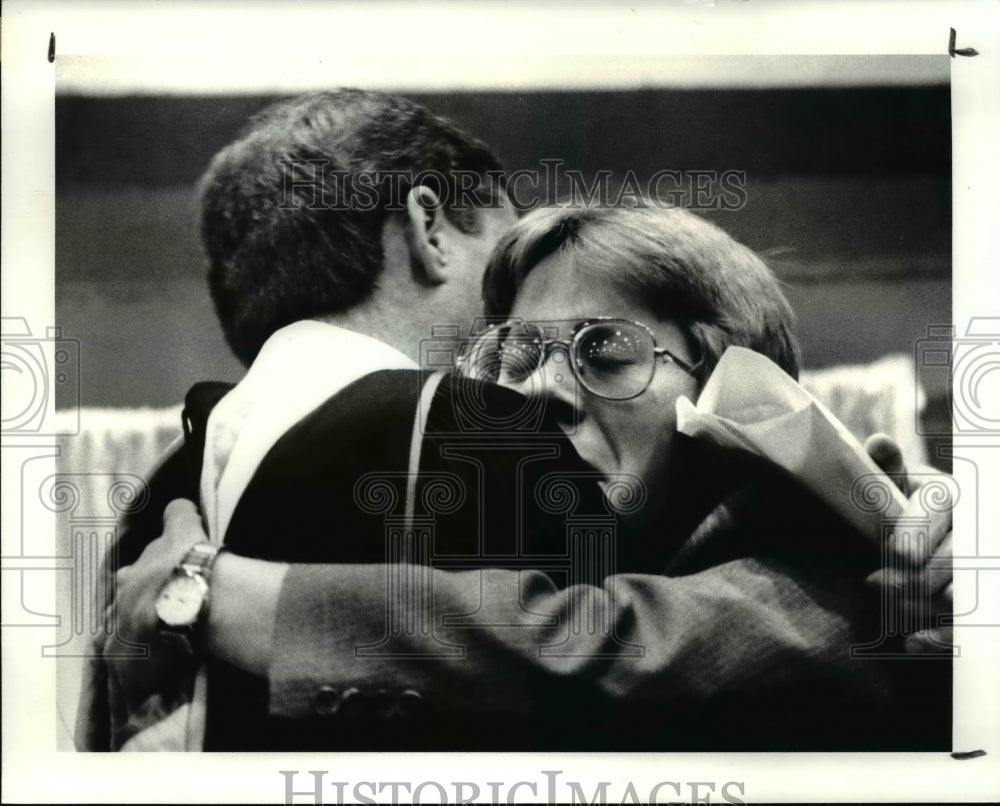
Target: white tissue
[(750, 403)]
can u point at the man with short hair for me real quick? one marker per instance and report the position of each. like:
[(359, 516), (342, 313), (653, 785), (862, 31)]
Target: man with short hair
[(360, 206), (340, 229)]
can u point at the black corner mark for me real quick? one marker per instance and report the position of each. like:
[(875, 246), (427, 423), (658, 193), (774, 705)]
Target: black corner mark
[(52, 47), (953, 52), (968, 755)]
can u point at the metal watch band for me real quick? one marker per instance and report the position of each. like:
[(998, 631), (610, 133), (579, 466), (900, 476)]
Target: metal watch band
[(200, 558), (196, 563)]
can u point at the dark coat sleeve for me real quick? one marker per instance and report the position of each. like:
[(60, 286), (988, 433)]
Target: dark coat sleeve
[(742, 642)]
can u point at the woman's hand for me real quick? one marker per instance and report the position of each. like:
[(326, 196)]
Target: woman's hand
[(916, 573), (238, 627)]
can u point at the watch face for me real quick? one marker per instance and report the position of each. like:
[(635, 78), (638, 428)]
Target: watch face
[(180, 601)]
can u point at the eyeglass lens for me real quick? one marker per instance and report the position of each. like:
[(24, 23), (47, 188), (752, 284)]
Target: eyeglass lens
[(614, 359), (611, 359)]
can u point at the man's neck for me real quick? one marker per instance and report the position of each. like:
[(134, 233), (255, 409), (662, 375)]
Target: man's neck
[(390, 328)]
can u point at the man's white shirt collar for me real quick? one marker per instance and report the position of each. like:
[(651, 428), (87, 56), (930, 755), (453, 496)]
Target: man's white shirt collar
[(298, 368)]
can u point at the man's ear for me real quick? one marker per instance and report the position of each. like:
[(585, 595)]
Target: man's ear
[(427, 239)]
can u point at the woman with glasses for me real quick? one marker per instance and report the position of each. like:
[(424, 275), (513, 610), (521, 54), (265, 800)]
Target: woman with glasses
[(615, 313), (732, 598), (608, 316)]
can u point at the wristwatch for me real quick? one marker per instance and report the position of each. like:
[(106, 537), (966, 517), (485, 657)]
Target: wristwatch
[(183, 600)]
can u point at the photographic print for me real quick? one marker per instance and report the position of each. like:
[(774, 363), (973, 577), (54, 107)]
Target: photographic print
[(596, 420)]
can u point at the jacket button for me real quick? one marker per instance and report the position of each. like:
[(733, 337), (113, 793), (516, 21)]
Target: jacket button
[(410, 704), (326, 701), (352, 703)]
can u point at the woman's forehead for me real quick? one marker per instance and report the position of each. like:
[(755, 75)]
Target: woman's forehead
[(565, 287)]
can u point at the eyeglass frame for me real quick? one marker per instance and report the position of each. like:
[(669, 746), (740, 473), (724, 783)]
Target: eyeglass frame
[(570, 348)]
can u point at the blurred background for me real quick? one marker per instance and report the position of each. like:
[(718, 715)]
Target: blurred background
[(848, 188), (847, 191)]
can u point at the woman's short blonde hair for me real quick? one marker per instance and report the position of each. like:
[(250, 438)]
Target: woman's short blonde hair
[(686, 269)]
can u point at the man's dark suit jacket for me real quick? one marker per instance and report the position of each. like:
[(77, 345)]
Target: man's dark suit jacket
[(333, 489)]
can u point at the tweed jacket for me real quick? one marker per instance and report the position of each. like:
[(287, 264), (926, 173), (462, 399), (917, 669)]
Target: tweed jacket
[(741, 642)]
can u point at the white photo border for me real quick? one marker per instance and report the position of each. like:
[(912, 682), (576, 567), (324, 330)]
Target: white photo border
[(534, 38)]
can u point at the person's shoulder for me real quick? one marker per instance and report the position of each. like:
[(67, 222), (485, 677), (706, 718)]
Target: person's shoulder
[(478, 407), (446, 401), (377, 406), (372, 395), (749, 506)]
